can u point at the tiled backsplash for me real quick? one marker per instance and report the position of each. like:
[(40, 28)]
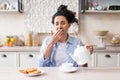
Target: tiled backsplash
[(39, 13)]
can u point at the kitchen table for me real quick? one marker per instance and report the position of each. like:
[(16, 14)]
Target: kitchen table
[(53, 73)]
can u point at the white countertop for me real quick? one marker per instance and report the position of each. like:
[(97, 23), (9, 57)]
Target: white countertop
[(54, 74), (17, 48), (108, 50), (37, 49)]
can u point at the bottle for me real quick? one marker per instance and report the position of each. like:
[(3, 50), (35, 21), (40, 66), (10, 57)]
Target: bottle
[(29, 39)]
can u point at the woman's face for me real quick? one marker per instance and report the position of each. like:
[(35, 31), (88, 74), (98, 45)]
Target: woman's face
[(60, 22)]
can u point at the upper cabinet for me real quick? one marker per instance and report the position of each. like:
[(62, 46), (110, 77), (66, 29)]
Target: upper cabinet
[(11, 6), (99, 6)]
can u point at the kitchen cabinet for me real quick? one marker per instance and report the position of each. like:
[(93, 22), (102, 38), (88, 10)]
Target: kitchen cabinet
[(19, 56), (28, 59), (18, 59), (106, 59), (8, 59), (119, 59), (99, 6), (91, 62)]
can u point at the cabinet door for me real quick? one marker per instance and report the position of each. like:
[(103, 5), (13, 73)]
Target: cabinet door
[(7, 59), (28, 59), (106, 59), (91, 61), (119, 60)]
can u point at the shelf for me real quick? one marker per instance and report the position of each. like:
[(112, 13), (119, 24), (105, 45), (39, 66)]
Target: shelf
[(9, 11), (100, 6), (96, 11), (10, 6)]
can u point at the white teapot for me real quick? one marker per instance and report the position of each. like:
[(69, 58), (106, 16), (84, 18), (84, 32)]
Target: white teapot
[(81, 55)]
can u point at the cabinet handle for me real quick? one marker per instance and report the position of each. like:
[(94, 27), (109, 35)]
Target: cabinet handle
[(4, 55), (107, 56), (30, 55)]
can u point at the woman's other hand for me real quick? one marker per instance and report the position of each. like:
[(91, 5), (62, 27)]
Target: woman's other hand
[(89, 48)]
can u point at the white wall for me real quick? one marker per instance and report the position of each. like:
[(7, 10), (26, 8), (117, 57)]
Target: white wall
[(11, 23), (37, 16), (98, 21)]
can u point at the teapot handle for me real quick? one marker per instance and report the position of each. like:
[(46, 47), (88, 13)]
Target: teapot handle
[(87, 49)]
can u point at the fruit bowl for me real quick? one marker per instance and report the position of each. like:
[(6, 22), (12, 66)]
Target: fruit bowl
[(101, 33)]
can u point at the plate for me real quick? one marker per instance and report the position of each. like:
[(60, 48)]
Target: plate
[(42, 72), (73, 69)]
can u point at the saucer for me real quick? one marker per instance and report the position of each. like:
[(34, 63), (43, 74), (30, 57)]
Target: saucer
[(73, 69)]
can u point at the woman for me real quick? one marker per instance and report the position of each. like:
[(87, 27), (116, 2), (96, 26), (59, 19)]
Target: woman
[(56, 48)]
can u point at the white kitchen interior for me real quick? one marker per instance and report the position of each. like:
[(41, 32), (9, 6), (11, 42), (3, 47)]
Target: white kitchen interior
[(16, 23), (25, 23), (89, 22)]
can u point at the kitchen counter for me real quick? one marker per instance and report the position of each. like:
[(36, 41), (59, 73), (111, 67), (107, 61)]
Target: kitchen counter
[(112, 48), (109, 49), (15, 49), (53, 73)]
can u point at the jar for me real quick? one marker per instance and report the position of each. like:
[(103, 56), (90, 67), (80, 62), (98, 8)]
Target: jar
[(29, 39), (116, 39), (4, 7), (10, 40), (34, 39)]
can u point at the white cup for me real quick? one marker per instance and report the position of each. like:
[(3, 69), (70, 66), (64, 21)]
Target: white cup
[(67, 66)]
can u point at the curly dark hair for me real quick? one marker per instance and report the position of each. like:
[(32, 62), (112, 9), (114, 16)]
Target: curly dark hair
[(63, 11)]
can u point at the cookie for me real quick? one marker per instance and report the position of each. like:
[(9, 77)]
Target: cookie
[(31, 69), (23, 71), (35, 72)]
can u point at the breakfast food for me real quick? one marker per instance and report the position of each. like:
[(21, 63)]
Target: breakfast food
[(23, 71), (10, 40), (35, 72), (30, 71)]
